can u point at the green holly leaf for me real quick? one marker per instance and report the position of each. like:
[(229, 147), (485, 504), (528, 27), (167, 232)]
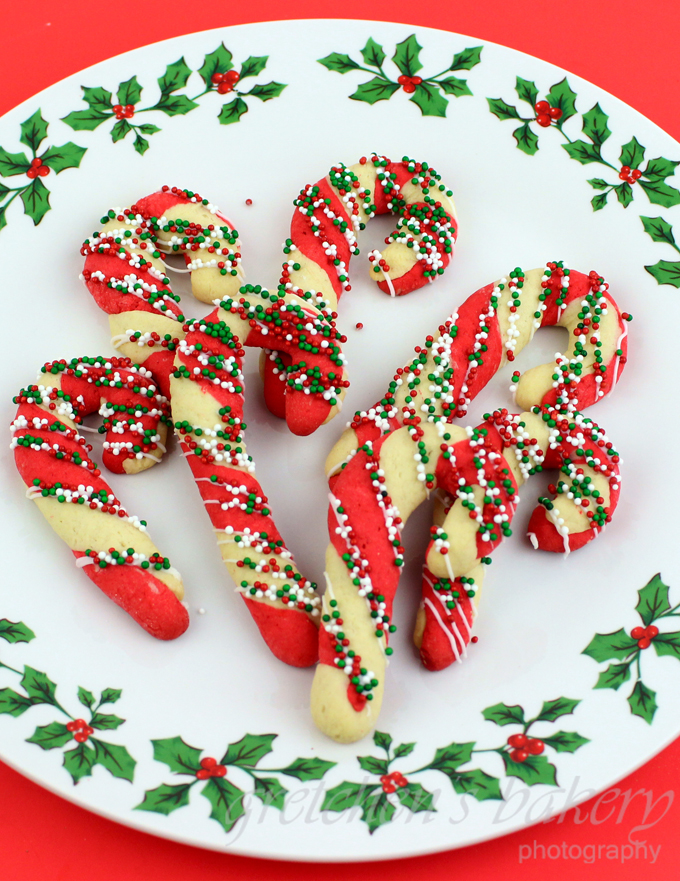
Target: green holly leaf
[(175, 76), (660, 168), (148, 129), (598, 202), (478, 784), (566, 741), (452, 85), (14, 631), (110, 696), (3, 216), (653, 597), (249, 750), (527, 141), (583, 152), (382, 740), (106, 722), (642, 701), (12, 164), (270, 792), (3, 192), (165, 799), (86, 120), (219, 61), (69, 155), (534, 770), (308, 769), (116, 759), (502, 714), (614, 676), (502, 109), (141, 145), (120, 130), (667, 644), (377, 810), (448, 758), (253, 66), (373, 54), (666, 272), (404, 749), (79, 762), (526, 91), (406, 56), (50, 736), (98, 99), (561, 706), (226, 800), (373, 765), (416, 798), (36, 199), (595, 125), (267, 91), (86, 698), (597, 183), (129, 92), (38, 686), (174, 105), (339, 63), (33, 131), (563, 96), (632, 153), (615, 646), (624, 194), (12, 703), (375, 90), (179, 756), (467, 59), (233, 111), (658, 230), (660, 193), (346, 795), (428, 98)]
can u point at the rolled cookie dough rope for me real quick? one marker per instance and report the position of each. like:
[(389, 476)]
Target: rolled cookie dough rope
[(110, 545), (207, 401), (328, 217)]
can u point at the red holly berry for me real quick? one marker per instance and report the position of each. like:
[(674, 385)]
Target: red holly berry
[(409, 87), (636, 174), (403, 79), (651, 631), (129, 111), (535, 747), (541, 107), (555, 113), (43, 170), (387, 784), (518, 741), (416, 80), (232, 76), (216, 78), (219, 771), (543, 119), (224, 87), (208, 762), (644, 643), (519, 755), (203, 774), (637, 632)]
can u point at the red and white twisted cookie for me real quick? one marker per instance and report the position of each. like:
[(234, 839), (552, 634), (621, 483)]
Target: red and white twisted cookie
[(207, 402), (379, 472), (110, 545)]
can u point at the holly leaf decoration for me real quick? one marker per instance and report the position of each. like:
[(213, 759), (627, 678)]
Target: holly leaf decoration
[(129, 92), (404, 749), (467, 59), (34, 131), (79, 762), (12, 164), (533, 770), (377, 810), (141, 144), (666, 272), (667, 644), (270, 792), (3, 192), (614, 676), (12, 703), (116, 759), (14, 631), (38, 686), (249, 750), (174, 105), (595, 125), (416, 798), (527, 141), (346, 795), (526, 91), (308, 769), (624, 193), (226, 800), (175, 76), (448, 758), (659, 230), (373, 53), (478, 784), (86, 698), (50, 736), (148, 129), (406, 56), (120, 130), (660, 168), (563, 96), (598, 202), (179, 756), (3, 211), (36, 199), (86, 120), (583, 152), (383, 740), (165, 799), (339, 63), (232, 111), (597, 183), (110, 696), (632, 153), (429, 99), (642, 701), (69, 155), (452, 85), (219, 61), (98, 98), (106, 722), (561, 706), (372, 765), (375, 90), (502, 109), (267, 91), (653, 597), (566, 741), (502, 714), (253, 66), (660, 193), (615, 646)]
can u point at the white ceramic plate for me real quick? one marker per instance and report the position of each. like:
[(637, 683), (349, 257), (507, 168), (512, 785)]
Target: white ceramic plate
[(218, 683)]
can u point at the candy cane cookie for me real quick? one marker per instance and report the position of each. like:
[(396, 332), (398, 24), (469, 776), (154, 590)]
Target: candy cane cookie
[(323, 237), (207, 389), (110, 545)]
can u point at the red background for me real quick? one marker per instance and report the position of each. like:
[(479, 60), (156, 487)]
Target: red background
[(626, 48)]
